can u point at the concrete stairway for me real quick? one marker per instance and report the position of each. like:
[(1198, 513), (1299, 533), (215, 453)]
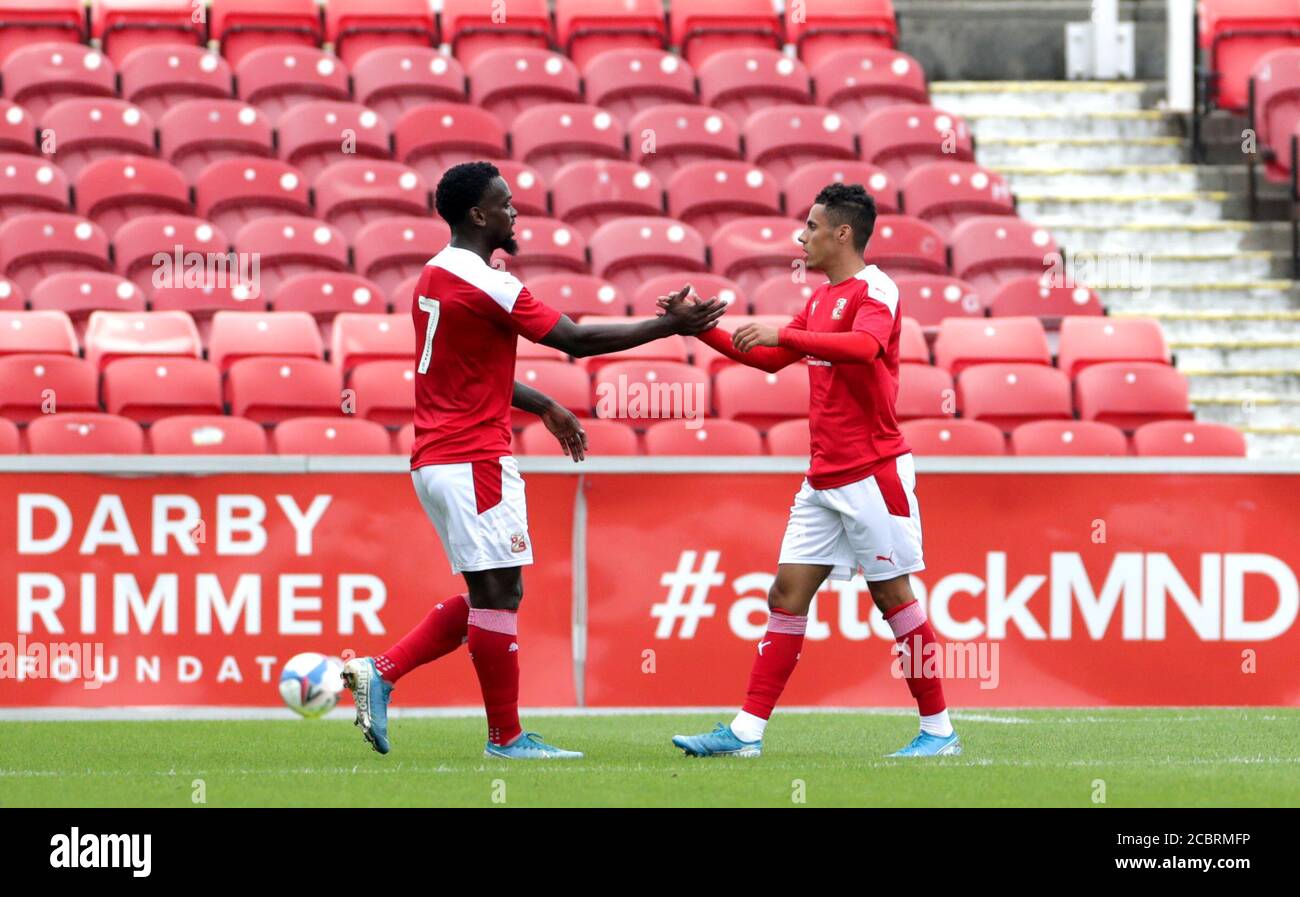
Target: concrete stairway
[(1107, 172)]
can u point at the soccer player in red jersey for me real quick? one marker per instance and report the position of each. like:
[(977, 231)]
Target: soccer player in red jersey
[(856, 509), (468, 317)]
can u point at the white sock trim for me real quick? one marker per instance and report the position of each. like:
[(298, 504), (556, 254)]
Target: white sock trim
[(937, 724), (748, 727)]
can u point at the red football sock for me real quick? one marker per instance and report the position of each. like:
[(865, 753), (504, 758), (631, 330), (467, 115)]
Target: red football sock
[(912, 631), (494, 649), (442, 631), (778, 652)]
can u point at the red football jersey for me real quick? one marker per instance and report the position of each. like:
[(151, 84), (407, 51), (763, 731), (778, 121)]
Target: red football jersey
[(851, 411), (468, 318)]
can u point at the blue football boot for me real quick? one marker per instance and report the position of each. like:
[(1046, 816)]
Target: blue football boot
[(370, 693)]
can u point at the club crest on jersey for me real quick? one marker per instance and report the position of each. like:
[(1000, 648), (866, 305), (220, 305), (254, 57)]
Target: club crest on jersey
[(518, 543), (838, 311)]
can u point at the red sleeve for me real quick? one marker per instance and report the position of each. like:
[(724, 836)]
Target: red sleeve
[(765, 358), (532, 318), (848, 347), (874, 316)]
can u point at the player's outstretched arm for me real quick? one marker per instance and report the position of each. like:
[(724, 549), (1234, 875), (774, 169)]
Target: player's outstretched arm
[(765, 359), (582, 340), (846, 347), (563, 423)]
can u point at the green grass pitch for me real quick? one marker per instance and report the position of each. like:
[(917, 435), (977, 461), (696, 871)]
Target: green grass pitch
[(1130, 757)]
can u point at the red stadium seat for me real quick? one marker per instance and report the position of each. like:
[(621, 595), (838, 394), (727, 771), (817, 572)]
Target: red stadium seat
[(802, 185), (330, 436), (929, 298), (17, 129), (269, 390), (433, 137), (80, 292), (528, 193), (670, 348), (1275, 108), (390, 250), (48, 332), (30, 184), (360, 338), (473, 28), (26, 22), (384, 391), (966, 341), (289, 245), (1236, 33), (761, 398), (629, 251), (1130, 394), (123, 26), (39, 75), (924, 391), (831, 26), (707, 437), (325, 293), (912, 346), (858, 81), (947, 193), (1091, 340), (211, 434), (140, 243), (751, 250), (12, 297), (11, 442), (588, 29), (232, 192), (354, 193), (357, 27), (546, 246), (1029, 295), (404, 440), (953, 437), (147, 389), (84, 433), (88, 129), (990, 250), (314, 135), (276, 79), (645, 301), (664, 138), (604, 437), (906, 245), (113, 335), (1007, 395), (902, 136), (158, 78), (195, 133), (548, 136), (510, 80), (35, 385), (38, 244), (1068, 437), (566, 383), (742, 81), (707, 195), (588, 193), (393, 80), (579, 294), (780, 295), (640, 391), (781, 138), (629, 81), (242, 26), (245, 334), (202, 302), (1174, 437), (790, 437), (116, 190), (704, 27)]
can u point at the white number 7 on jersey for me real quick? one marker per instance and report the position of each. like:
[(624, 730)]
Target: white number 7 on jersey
[(432, 307)]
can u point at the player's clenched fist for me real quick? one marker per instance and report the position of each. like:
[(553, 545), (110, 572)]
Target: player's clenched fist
[(752, 335)]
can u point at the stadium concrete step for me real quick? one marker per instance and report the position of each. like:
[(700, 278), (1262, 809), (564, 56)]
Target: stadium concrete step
[(1207, 326), (1236, 354), (1184, 236), (1080, 152), (982, 97), (1140, 270), (1259, 295), (1251, 409), (1257, 381), (1044, 208), (1117, 126), (1272, 442), (1089, 180)]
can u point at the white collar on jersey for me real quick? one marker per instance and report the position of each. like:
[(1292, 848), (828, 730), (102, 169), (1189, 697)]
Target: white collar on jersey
[(469, 266)]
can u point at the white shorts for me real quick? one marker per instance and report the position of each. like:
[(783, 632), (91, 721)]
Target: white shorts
[(479, 511), (873, 525)]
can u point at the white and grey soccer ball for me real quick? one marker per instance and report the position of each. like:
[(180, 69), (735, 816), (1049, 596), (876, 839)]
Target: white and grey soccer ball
[(311, 683)]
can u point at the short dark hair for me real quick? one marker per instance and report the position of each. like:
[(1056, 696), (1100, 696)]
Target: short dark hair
[(850, 204), (461, 188)]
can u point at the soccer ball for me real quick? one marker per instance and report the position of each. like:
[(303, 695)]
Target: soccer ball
[(311, 683)]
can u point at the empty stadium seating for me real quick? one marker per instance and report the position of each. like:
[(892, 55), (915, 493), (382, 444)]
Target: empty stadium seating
[(1074, 437), (192, 134), (629, 81), (276, 79), (329, 435), (604, 438), (84, 433), (40, 75), (34, 384), (242, 26), (124, 26), (586, 29), (1130, 394), (1007, 395), (1188, 438), (832, 26), (148, 389), (157, 78), (953, 437), (212, 434), (359, 27), (857, 81), (510, 80), (232, 192), (393, 80), (588, 193), (713, 436)]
